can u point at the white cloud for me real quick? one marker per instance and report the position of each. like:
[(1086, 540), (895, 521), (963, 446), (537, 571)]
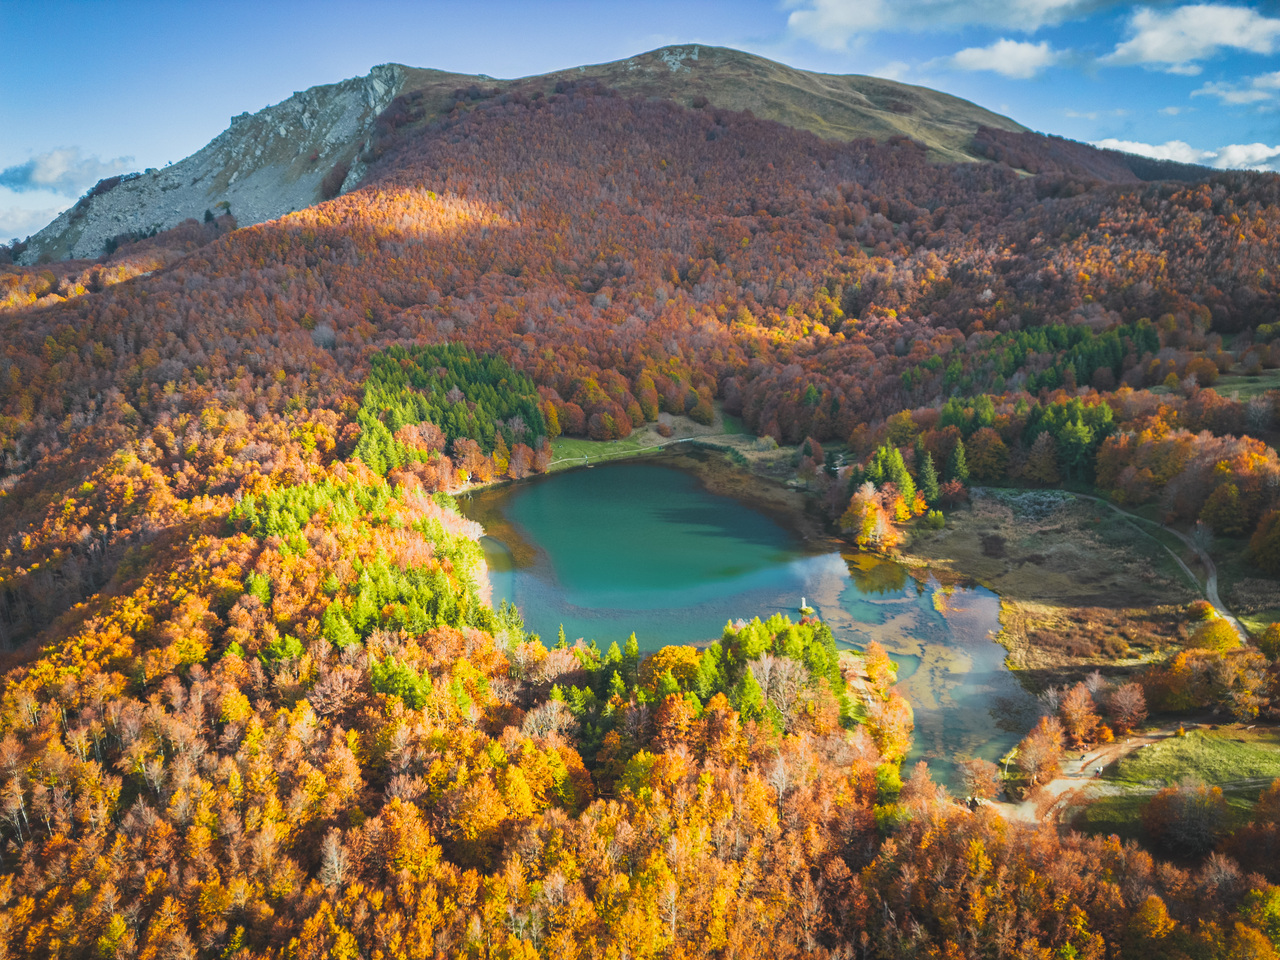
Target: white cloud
[(1232, 95), (1173, 40), (1171, 111), (1260, 89), (1018, 59), (1247, 156), (1173, 150), (895, 70), (21, 222), (1094, 114), (833, 23), (66, 171), (1235, 156)]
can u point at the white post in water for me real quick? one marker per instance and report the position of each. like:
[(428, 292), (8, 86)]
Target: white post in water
[(802, 603)]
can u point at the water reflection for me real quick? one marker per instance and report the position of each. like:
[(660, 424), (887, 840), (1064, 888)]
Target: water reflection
[(875, 575), (950, 668), (644, 547)]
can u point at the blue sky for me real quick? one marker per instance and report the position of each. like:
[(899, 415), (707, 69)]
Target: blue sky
[(96, 87)]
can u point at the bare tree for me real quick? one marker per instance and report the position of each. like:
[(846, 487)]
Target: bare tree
[(334, 860), (548, 718), (980, 778), (1127, 706), (1258, 414), (782, 681)]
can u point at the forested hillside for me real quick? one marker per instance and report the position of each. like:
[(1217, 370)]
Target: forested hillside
[(258, 703)]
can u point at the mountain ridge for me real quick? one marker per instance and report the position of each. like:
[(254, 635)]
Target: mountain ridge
[(308, 147), (262, 166)]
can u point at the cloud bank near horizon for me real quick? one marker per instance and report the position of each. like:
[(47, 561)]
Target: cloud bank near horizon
[(68, 171), (1234, 156)]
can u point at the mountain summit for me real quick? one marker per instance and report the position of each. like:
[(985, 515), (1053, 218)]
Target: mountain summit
[(307, 148)]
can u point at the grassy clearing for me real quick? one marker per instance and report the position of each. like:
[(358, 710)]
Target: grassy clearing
[(1142, 538), (1258, 621), (1221, 757), (569, 452), (1233, 570), (727, 431), (1244, 387), (1121, 815), (732, 424)]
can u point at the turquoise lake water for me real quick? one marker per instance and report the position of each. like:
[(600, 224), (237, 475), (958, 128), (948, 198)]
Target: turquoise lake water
[(644, 547)]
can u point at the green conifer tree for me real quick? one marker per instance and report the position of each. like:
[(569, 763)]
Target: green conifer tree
[(665, 686), (617, 686), (896, 470), (957, 467), (929, 480), (747, 697)]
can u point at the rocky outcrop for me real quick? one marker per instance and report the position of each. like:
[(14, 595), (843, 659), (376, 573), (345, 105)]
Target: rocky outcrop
[(263, 166)]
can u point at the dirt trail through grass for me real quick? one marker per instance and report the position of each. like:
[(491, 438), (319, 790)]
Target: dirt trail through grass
[(1079, 780), (1210, 586), (1240, 760)]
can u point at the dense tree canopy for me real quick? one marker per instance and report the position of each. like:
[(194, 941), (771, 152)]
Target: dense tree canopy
[(258, 702)]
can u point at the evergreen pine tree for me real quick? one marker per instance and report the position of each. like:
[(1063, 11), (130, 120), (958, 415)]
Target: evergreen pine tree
[(896, 470), (957, 468), (929, 480), (747, 696), (631, 659), (875, 467), (617, 686)]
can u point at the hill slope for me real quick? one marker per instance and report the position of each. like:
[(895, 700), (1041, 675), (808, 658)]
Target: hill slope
[(275, 161), (832, 106)]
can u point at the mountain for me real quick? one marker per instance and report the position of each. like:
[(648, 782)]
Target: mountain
[(307, 148), (263, 165)]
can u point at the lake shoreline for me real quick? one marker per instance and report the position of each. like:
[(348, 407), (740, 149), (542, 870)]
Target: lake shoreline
[(657, 545)]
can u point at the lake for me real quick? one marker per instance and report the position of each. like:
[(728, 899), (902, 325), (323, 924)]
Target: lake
[(645, 547)]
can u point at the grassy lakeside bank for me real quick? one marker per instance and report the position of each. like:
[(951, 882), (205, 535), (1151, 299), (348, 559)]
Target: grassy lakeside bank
[(568, 453), (725, 457)]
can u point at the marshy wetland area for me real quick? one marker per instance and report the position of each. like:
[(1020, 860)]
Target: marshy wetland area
[(1080, 589)]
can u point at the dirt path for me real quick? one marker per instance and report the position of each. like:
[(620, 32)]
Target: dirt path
[(1079, 779), (1210, 586)]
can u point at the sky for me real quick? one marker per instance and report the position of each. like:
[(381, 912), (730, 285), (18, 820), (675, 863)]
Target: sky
[(97, 87)]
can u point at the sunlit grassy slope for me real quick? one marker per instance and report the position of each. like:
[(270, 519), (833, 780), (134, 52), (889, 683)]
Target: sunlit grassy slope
[(836, 107)]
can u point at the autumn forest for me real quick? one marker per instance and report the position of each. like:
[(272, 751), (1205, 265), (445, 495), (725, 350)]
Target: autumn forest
[(259, 702)]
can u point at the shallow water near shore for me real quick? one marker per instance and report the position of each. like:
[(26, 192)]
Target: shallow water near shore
[(643, 546)]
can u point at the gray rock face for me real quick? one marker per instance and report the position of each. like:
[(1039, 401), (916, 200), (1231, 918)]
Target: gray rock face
[(263, 166)]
